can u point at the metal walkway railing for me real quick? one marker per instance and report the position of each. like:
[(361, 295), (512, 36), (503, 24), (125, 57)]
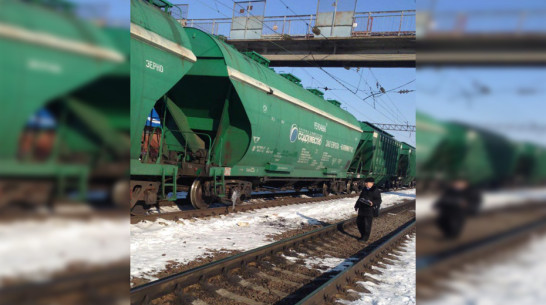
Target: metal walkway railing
[(386, 23)]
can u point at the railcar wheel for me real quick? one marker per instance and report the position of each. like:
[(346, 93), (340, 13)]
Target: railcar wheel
[(138, 209), (120, 194), (196, 195), (325, 190)]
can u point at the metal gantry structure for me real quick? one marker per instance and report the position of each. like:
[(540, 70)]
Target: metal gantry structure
[(335, 36), (396, 127), (364, 24)]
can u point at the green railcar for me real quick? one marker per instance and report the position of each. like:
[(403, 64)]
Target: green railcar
[(540, 174), (232, 125), (453, 150), (49, 53), (466, 152), (530, 164), (430, 134), (406, 165), (160, 56), (376, 156), (480, 156), (100, 115)]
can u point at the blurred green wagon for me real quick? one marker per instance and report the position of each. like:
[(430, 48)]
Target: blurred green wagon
[(50, 54)]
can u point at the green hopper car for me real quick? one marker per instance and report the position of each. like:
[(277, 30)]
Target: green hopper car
[(49, 54), (255, 128), (454, 150), (377, 156), (406, 165), (229, 125)]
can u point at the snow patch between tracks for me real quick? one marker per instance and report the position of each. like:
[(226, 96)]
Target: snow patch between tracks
[(161, 242), (325, 264), (397, 283), (34, 249), (517, 280)]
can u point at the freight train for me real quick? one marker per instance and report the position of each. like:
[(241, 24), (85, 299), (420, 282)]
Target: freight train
[(230, 125)]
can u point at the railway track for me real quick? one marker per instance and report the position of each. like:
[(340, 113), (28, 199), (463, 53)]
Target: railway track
[(283, 272), (338, 287), (211, 212), (436, 265), (92, 285), (217, 211), (71, 215)]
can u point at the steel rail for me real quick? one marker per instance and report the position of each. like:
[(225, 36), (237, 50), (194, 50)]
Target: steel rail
[(218, 211), (478, 248), (211, 212), (327, 291), (85, 284), (143, 294)]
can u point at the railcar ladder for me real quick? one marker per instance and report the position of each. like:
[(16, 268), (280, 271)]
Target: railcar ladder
[(164, 184), (64, 183), (221, 182)]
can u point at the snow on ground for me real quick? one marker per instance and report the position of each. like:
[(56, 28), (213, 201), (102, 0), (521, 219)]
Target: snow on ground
[(397, 282), (34, 249), (329, 262), (517, 280), (156, 244), (491, 199)]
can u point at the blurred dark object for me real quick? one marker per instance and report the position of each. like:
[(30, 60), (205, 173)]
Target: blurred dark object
[(457, 202)]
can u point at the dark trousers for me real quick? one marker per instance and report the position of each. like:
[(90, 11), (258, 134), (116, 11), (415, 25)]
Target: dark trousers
[(364, 224), (451, 223)]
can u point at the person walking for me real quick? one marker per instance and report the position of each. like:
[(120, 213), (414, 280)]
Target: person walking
[(457, 202), (367, 205)]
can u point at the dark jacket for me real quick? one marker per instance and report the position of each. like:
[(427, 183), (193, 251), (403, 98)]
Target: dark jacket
[(364, 209), (466, 202)]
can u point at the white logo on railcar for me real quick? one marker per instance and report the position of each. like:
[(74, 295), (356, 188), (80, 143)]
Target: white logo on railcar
[(304, 135), (293, 133)]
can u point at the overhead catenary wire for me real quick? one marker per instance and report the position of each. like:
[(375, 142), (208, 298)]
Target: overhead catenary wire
[(314, 62), (391, 113), (373, 94), (393, 118), (377, 82), (350, 105), (362, 114), (384, 92)]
